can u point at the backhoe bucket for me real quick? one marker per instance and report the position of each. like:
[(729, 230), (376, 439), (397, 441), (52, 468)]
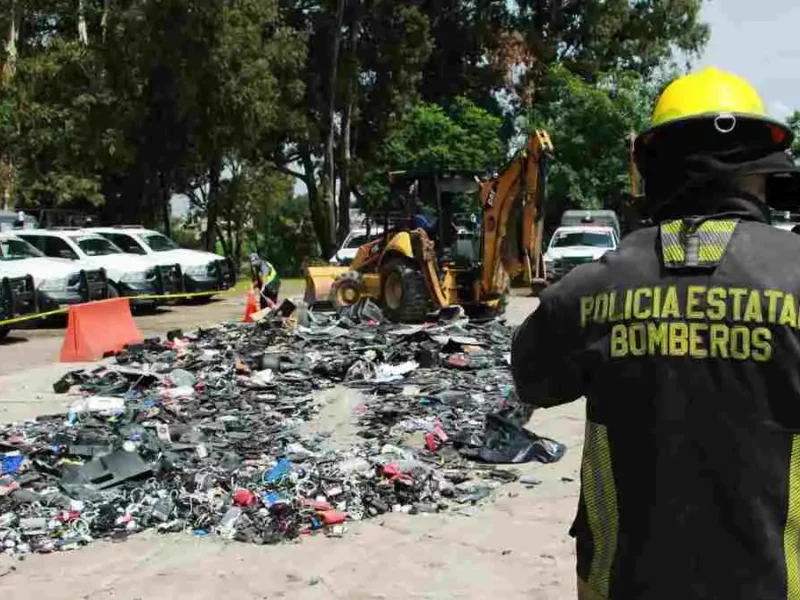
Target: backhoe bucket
[(319, 281)]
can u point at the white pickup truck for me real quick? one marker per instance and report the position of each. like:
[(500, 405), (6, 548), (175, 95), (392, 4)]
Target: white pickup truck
[(354, 240), (59, 282), (202, 271), (572, 246), (127, 275)]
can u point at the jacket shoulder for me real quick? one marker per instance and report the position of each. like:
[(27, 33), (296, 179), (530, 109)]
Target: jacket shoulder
[(764, 255)]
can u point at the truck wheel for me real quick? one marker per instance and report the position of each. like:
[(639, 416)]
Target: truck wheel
[(404, 293), (112, 292), (347, 290), (4, 331)]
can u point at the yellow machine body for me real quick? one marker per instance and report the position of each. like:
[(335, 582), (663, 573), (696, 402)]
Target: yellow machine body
[(512, 218)]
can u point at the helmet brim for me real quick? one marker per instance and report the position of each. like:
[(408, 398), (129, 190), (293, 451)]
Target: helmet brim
[(713, 133)]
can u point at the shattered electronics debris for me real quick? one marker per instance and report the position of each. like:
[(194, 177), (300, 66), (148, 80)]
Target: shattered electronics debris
[(204, 433)]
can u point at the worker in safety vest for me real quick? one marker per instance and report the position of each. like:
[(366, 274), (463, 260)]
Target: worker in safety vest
[(266, 281), (685, 342)]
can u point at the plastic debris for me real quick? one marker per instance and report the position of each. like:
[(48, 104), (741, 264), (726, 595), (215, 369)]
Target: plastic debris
[(207, 433)]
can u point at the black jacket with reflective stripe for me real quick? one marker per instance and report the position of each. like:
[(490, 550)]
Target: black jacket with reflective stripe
[(691, 471)]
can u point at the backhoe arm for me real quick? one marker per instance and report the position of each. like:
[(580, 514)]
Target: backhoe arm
[(513, 216)]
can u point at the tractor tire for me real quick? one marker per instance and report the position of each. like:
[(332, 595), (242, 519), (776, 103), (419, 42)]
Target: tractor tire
[(404, 293), (347, 290)]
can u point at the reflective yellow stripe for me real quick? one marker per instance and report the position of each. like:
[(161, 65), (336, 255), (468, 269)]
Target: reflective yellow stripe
[(705, 245), (791, 535), (270, 277), (600, 498)]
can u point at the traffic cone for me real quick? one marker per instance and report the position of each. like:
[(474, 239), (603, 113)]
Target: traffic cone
[(250, 307)]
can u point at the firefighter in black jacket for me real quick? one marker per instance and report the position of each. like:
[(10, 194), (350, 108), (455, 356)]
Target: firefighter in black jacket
[(685, 343)]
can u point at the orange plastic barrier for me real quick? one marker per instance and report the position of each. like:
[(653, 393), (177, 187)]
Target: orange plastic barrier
[(250, 308), (96, 329)]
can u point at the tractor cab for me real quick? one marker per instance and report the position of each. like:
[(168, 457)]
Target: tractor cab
[(446, 204)]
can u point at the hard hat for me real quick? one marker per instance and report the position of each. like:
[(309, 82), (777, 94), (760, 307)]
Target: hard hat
[(729, 106)]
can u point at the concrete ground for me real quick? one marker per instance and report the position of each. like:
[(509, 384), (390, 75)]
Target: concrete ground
[(514, 547)]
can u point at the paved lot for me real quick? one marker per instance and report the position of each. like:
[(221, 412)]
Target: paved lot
[(515, 547)]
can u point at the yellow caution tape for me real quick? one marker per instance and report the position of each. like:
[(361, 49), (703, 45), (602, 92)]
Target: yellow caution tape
[(43, 315), (61, 311)]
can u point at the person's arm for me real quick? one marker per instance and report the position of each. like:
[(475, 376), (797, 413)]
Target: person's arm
[(545, 355)]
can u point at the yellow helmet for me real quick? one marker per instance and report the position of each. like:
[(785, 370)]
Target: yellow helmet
[(720, 99)]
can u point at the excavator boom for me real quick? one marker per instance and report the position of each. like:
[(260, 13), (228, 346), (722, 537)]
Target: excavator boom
[(513, 218)]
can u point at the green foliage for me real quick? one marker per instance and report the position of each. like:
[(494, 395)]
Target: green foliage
[(430, 137), (247, 201), (592, 37), (285, 234), (590, 126), (794, 124), (167, 96), (64, 126)]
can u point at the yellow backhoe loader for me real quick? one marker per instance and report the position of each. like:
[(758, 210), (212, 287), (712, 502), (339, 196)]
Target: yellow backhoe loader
[(486, 232)]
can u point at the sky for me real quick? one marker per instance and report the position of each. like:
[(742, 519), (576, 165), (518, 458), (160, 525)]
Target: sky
[(760, 41)]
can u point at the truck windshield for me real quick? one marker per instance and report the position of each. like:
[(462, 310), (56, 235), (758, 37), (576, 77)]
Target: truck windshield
[(159, 243), (582, 238), (12, 249), (97, 246)]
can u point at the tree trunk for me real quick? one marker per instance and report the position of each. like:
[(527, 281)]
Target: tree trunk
[(237, 247), (83, 35), (15, 17), (214, 173), (321, 210), (165, 207), (229, 230), (329, 168), (104, 18), (347, 126), (223, 242)]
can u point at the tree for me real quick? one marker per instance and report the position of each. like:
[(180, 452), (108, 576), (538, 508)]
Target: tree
[(463, 137), (592, 37), (247, 205), (468, 38), (215, 79), (124, 103), (590, 126), (64, 125), (382, 46)]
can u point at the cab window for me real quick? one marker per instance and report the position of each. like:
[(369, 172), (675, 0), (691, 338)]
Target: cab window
[(57, 248), (159, 243), (96, 246), (13, 249), (37, 241), (126, 242)]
